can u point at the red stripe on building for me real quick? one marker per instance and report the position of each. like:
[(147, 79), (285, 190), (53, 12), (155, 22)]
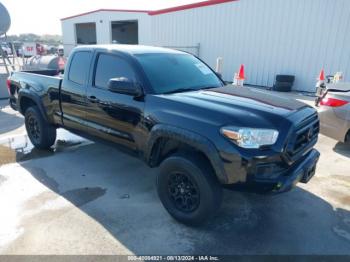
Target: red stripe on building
[(189, 6)]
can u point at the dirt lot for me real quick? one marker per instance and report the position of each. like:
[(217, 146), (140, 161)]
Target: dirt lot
[(87, 198)]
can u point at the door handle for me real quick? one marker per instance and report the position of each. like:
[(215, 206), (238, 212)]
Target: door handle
[(93, 99)]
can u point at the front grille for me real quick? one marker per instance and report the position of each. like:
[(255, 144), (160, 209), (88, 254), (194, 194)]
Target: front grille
[(303, 138)]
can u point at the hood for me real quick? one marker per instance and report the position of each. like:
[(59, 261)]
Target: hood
[(253, 97), (241, 97), (240, 105)]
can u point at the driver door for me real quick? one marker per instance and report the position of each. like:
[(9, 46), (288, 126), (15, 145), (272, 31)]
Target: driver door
[(113, 116)]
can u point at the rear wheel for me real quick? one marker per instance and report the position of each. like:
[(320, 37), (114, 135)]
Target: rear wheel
[(41, 134), (188, 188)]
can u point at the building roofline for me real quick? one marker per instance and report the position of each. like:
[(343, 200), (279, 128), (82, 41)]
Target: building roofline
[(157, 12), (189, 6), (106, 10)]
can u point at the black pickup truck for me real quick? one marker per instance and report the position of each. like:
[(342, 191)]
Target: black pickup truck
[(173, 111)]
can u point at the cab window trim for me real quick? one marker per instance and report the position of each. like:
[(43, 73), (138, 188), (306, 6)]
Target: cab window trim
[(87, 71), (97, 57)]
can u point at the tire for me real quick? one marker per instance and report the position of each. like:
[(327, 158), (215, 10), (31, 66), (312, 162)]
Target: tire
[(283, 86), (347, 138), (285, 78), (41, 134), (203, 189)]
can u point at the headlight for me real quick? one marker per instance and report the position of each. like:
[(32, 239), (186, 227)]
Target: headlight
[(250, 137)]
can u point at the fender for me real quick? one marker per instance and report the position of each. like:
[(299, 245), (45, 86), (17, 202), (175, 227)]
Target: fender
[(192, 139), (25, 92)]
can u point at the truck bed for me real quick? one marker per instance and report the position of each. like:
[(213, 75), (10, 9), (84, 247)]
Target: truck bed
[(43, 78), (43, 82), (46, 72)]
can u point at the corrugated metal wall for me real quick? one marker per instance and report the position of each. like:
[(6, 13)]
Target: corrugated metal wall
[(103, 20), (269, 37)]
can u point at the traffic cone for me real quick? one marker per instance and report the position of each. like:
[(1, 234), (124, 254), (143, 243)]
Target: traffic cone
[(320, 85), (241, 73), (239, 77), (321, 77)]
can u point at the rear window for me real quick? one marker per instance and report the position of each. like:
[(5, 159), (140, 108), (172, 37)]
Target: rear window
[(79, 67), (111, 66)]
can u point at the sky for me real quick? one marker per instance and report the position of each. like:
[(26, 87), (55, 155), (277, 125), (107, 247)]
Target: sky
[(43, 16)]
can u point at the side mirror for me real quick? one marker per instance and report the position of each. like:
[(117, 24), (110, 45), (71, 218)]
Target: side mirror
[(123, 85)]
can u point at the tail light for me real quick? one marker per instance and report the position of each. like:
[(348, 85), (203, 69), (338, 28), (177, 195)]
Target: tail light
[(8, 84), (332, 102)]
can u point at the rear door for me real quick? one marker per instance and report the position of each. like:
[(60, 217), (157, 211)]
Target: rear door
[(73, 90), (113, 116)]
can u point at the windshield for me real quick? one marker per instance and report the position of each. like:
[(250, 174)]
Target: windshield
[(180, 72)]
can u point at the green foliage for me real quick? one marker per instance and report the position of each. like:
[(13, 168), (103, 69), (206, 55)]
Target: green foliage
[(44, 39)]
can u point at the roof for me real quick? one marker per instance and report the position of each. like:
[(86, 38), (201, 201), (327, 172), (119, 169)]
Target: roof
[(130, 49), (157, 12)]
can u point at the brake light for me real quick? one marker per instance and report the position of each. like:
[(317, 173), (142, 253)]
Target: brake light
[(332, 102), (8, 84)]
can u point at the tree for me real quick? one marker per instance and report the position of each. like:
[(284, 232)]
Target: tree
[(44, 39)]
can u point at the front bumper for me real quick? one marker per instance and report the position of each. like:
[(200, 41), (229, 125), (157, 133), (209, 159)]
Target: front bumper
[(302, 171)]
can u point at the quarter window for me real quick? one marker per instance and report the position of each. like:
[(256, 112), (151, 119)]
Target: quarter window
[(111, 66), (79, 67)]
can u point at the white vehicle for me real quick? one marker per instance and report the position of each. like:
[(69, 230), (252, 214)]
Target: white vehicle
[(6, 49), (29, 49), (33, 49)]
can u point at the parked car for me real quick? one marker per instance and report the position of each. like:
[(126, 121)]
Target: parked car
[(6, 49), (18, 47), (170, 109), (334, 112)]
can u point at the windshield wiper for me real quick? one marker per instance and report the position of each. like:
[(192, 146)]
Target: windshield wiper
[(210, 87), (179, 90)]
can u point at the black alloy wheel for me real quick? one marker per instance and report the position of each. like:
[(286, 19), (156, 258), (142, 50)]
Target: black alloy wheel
[(183, 192)]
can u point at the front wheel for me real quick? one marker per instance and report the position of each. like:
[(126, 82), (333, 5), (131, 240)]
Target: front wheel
[(41, 134), (188, 189)]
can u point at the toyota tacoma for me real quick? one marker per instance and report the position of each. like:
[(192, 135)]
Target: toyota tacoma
[(172, 110)]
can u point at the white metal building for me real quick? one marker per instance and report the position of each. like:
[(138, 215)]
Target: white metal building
[(269, 37)]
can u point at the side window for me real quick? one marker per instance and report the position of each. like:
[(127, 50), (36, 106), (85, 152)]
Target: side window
[(111, 66), (79, 67)]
